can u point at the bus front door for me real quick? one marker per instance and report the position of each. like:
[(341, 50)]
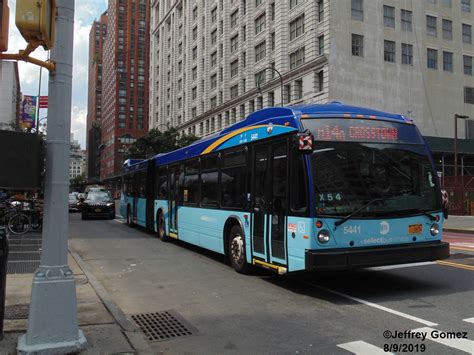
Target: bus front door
[(270, 166), (173, 202)]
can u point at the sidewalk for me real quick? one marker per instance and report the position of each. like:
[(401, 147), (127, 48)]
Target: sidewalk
[(106, 328), (459, 224)]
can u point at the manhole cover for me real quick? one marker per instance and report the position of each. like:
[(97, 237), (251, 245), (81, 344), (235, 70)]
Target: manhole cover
[(162, 326), (17, 311), (22, 267), (24, 256)]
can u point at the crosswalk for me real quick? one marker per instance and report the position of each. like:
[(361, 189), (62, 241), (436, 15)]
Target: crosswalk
[(447, 339)]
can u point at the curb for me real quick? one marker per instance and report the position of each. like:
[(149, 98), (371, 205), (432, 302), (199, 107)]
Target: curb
[(131, 331), (462, 231)]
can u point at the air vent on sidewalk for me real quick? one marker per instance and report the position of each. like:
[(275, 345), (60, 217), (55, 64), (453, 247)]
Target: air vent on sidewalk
[(22, 267), (162, 326), (17, 311), (24, 256)]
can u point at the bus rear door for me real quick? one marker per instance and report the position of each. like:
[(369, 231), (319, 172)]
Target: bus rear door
[(173, 201), (270, 169)]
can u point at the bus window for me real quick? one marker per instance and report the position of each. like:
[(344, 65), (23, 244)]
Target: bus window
[(233, 178), (191, 182), (209, 181), (298, 190), (142, 185), (162, 183)]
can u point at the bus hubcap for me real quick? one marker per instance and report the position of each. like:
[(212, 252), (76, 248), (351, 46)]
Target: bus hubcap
[(237, 249)]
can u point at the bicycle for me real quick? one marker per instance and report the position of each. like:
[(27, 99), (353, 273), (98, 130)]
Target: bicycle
[(16, 221)]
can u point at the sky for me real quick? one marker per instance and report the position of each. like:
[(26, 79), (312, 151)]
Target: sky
[(85, 13)]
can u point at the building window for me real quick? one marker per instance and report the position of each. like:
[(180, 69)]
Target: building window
[(294, 3), (195, 13), (431, 26), (271, 99), (214, 15), (234, 68), (448, 61), (357, 9), (272, 41), (446, 3), (466, 5), (214, 102), (214, 37), (244, 59), (467, 64), (320, 81), (297, 27), (407, 54), (195, 33), (448, 30), (260, 51), (194, 93), (233, 18), (260, 23), (357, 45), (213, 60), (407, 20), (389, 51), (320, 10), (244, 33), (297, 58), (258, 3), (287, 93), (234, 43), (298, 89), (213, 81), (389, 16), (321, 45), (251, 106), (272, 11), (466, 33), (432, 58), (260, 78), (234, 91), (195, 53), (468, 95)]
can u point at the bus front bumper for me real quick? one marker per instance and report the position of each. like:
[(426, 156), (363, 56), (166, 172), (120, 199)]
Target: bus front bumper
[(346, 259)]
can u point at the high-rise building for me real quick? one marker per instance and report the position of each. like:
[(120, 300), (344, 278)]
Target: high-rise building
[(10, 95), (125, 66), (97, 37), (214, 62), (76, 159)]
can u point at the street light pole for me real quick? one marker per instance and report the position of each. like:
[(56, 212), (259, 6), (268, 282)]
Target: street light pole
[(52, 322), (281, 82), (456, 116)]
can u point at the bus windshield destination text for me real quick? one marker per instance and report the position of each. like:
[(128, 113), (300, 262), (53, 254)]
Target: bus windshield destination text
[(356, 133)]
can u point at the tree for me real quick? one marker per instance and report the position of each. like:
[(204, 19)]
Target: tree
[(155, 142), (78, 180)]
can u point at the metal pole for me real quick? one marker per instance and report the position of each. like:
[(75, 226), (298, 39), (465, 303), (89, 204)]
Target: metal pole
[(37, 103), (455, 146), (52, 322)]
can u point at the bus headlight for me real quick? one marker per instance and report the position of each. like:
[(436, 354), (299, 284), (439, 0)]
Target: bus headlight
[(434, 230), (323, 236)]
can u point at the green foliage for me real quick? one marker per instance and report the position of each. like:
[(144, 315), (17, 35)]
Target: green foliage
[(78, 180), (158, 142)]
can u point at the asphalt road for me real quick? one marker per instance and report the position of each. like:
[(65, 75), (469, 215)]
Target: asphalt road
[(327, 313)]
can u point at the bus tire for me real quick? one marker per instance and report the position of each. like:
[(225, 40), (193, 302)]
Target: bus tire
[(129, 217), (160, 227), (236, 249)]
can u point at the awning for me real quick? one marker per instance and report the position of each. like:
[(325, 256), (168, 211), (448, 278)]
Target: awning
[(446, 145)]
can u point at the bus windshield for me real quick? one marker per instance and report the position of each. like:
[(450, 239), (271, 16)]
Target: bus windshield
[(349, 173)]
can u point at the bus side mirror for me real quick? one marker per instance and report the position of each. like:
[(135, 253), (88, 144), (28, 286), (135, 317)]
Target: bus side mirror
[(304, 142), (444, 203)]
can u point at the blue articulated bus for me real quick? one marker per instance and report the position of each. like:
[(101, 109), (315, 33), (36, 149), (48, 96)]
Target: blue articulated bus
[(310, 187)]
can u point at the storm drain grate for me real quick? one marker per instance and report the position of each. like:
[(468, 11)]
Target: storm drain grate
[(24, 256), (162, 326), (22, 267), (17, 311)]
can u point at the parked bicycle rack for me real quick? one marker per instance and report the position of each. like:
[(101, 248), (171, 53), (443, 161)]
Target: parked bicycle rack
[(3, 275)]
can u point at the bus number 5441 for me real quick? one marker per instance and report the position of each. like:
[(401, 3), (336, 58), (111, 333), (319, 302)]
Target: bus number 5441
[(352, 230)]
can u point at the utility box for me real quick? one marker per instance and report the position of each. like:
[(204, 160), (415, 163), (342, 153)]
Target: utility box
[(21, 160), (36, 21)]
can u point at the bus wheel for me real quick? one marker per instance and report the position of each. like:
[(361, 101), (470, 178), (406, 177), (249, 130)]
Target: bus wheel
[(237, 250), (160, 221)]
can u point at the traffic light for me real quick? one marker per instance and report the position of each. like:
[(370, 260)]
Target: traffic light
[(36, 21), (4, 22)]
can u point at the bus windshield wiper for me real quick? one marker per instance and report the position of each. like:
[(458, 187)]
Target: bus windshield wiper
[(416, 210), (349, 216)]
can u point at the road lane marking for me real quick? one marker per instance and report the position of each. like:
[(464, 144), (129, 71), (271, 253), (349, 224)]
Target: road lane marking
[(362, 348), (462, 248), (374, 305), (456, 265), (469, 320), (401, 266), (459, 344)]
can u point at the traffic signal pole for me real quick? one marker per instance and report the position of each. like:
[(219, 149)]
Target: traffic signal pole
[(52, 322)]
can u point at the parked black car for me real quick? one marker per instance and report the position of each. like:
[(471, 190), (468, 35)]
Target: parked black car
[(98, 203)]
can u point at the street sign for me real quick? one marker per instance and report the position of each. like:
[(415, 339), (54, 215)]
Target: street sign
[(43, 102), (36, 21)]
